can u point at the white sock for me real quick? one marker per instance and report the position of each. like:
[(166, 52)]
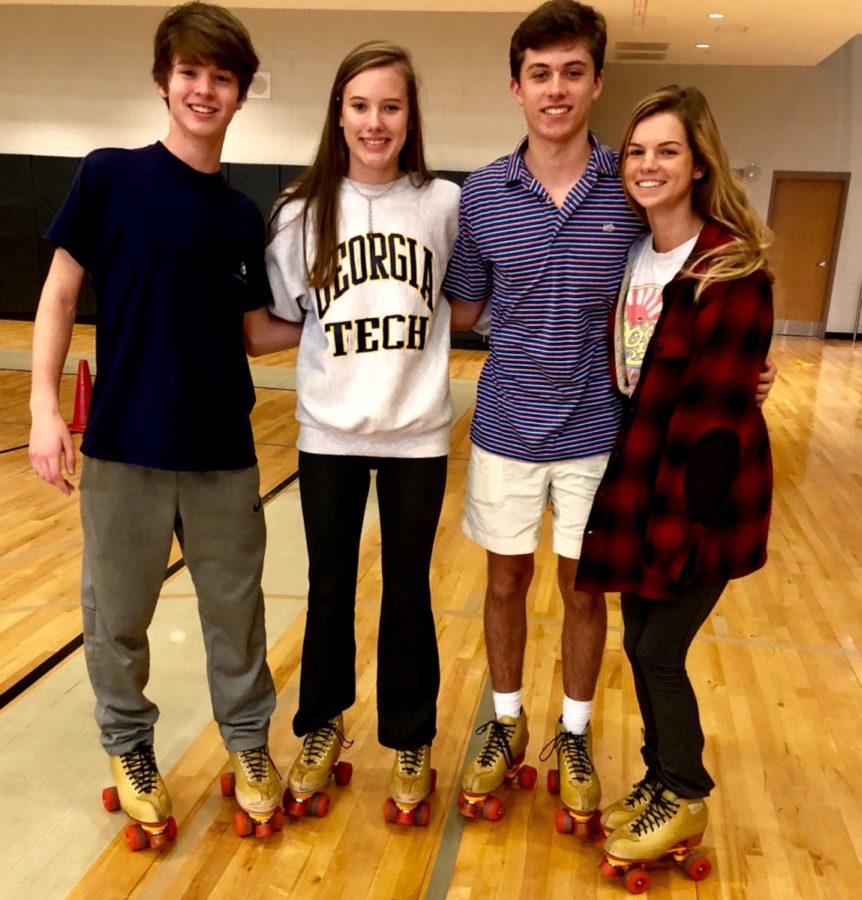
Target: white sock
[(507, 704), (576, 714)]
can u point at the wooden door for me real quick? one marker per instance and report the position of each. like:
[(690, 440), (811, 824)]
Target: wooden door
[(806, 211)]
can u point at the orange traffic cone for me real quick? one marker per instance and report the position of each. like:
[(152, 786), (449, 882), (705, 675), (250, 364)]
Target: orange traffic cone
[(83, 392)]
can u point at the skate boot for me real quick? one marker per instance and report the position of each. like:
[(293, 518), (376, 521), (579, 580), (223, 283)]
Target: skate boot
[(622, 811), (668, 827), (317, 761), (500, 761), (142, 795), (256, 782), (411, 781), (576, 781)]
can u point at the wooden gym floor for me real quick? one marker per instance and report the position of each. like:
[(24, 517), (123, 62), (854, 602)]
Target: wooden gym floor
[(777, 668)]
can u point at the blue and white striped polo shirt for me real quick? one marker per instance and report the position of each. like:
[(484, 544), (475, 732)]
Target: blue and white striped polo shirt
[(545, 392)]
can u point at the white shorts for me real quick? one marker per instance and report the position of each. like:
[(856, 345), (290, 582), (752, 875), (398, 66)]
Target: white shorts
[(507, 498)]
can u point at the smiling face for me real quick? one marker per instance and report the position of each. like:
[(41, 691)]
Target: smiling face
[(202, 99), (556, 90), (659, 167), (375, 117)]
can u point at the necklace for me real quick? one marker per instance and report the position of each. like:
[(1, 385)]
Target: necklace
[(370, 198)]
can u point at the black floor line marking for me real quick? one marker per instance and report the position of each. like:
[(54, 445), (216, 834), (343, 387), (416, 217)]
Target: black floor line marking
[(13, 449), (67, 650), (43, 668)]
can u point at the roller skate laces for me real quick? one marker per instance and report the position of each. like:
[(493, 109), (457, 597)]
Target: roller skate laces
[(498, 743), (499, 762), (576, 781), (141, 791), (139, 767), (625, 810), (668, 827), (573, 752), (411, 781), (258, 787), (317, 744), (657, 812), (312, 768), (411, 775)]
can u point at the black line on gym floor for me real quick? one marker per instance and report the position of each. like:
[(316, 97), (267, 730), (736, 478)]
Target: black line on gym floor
[(67, 650), (12, 449)]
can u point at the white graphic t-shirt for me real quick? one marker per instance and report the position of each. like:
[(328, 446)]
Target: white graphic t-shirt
[(650, 273)]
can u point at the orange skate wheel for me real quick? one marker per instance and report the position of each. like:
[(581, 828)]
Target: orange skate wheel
[(553, 781), (492, 808), (227, 783), (608, 869), (697, 866), (171, 829), (318, 805), (136, 837), (587, 828), (422, 814), (158, 840), (111, 799), (243, 824), (405, 816), (527, 777), (293, 807), (465, 807), (637, 881), (263, 829), (342, 773), (564, 822), (390, 810), (278, 819)]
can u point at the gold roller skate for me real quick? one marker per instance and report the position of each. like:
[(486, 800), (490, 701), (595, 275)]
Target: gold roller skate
[(668, 827), (256, 783), (500, 761), (622, 811), (411, 781), (317, 761), (576, 781), (142, 795)]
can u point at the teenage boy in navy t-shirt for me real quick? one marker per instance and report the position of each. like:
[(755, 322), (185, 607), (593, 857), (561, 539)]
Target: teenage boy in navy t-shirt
[(176, 258)]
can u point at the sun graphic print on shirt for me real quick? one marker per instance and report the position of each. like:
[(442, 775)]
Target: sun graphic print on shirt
[(643, 307)]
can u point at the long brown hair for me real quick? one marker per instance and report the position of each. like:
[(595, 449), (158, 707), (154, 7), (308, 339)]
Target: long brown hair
[(320, 184), (716, 196)]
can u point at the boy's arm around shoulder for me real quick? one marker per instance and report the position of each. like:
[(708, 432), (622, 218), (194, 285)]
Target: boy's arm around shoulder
[(265, 333), (50, 442)]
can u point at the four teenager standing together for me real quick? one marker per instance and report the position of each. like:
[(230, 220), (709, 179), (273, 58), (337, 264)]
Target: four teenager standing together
[(358, 251)]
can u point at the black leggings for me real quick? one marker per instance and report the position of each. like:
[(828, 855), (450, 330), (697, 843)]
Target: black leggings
[(656, 638), (334, 491)]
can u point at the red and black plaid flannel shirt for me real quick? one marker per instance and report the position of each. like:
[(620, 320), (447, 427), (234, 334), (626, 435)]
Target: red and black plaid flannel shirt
[(687, 493)]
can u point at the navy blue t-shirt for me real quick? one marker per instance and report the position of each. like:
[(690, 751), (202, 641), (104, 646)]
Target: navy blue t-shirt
[(176, 258)]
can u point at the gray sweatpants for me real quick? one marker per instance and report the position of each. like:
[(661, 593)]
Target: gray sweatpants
[(128, 514)]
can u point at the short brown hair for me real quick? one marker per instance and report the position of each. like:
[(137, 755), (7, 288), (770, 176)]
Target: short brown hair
[(204, 33), (559, 22)]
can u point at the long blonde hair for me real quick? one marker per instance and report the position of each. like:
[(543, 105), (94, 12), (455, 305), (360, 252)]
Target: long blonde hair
[(320, 184), (717, 196)]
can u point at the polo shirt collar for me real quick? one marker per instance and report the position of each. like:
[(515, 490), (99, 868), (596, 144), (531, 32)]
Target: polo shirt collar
[(602, 159)]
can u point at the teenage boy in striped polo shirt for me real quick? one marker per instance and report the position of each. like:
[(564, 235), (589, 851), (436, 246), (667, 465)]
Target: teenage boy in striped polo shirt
[(543, 235)]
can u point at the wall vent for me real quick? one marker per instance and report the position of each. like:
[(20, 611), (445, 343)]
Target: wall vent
[(640, 51)]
